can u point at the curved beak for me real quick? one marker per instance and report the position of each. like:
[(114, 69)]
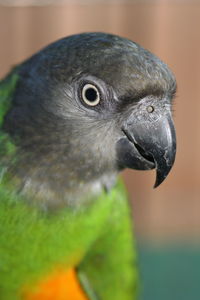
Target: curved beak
[(156, 142)]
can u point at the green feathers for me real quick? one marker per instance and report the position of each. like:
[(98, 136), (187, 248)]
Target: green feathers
[(7, 88), (33, 243), (110, 268)]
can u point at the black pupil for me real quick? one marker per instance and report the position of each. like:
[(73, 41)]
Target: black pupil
[(91, 94)]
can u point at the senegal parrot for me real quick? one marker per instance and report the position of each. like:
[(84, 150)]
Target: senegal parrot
[(71, 117)]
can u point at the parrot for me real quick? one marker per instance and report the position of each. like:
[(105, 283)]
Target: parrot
[(72, 117)]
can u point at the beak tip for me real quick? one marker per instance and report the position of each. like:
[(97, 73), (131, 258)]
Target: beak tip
[(156, 184), (161, 176)]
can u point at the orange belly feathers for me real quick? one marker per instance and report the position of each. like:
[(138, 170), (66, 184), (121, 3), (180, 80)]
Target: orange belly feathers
[(61, 285)]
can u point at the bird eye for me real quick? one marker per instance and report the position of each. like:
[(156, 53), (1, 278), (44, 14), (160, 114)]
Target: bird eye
[(90, 95), (150, 109)]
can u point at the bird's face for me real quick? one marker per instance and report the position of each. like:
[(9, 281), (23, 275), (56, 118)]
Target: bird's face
[(110, 101), (124, 132)]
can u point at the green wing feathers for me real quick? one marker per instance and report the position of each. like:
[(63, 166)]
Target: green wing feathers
[(109, 270), (7, 88)]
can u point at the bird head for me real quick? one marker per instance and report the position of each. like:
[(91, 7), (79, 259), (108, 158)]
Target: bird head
[(93, 104)]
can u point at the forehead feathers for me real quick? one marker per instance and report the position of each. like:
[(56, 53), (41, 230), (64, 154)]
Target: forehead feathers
[(121, 63)]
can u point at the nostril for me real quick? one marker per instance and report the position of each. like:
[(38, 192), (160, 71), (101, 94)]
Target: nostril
[(146, 155)]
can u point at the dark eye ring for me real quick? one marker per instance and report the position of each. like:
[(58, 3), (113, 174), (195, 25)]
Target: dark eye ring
[(90, 94)]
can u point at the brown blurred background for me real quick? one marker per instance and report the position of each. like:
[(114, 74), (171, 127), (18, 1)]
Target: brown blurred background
[(169, 29), (167, 220)]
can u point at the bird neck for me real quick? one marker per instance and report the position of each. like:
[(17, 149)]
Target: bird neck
[(54, 185)]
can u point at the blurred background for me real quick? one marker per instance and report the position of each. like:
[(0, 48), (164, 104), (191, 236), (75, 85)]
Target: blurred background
[(167, 220)]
